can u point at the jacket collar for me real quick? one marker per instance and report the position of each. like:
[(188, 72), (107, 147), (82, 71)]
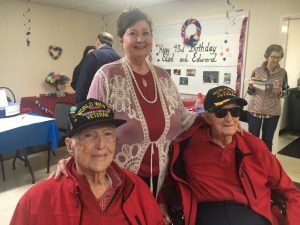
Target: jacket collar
[(127, 184)]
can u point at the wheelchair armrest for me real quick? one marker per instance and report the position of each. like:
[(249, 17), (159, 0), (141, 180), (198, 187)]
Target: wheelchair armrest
[(277, 199)]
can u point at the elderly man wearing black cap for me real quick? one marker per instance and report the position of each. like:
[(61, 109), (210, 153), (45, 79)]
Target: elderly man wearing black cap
[(226, 178), (97, 190)]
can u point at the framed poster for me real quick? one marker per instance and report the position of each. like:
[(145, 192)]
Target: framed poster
[(209, 52)]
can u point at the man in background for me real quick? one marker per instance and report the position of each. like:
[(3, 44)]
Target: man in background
[(102, 55)]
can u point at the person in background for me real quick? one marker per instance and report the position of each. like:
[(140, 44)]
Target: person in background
[(76, 72), (102, 55), (225, 177), (97, 191), (264, 107), (145, 96)]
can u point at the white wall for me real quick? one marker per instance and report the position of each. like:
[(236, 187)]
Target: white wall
[(22, 68)]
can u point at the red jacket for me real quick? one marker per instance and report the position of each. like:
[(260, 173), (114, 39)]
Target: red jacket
[(71, 202), (259, 173)]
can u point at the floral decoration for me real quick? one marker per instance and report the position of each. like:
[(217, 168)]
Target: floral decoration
[(55, 79), (193, 39)]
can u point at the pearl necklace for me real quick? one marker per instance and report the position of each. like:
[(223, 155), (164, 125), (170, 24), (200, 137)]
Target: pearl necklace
[(138, 87)]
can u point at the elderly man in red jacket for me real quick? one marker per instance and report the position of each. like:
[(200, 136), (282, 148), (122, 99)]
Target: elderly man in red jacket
[(96, 191), (226, 178)]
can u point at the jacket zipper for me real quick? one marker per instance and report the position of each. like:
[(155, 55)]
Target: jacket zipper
[(77, 193), (137, 220), (249, 180)]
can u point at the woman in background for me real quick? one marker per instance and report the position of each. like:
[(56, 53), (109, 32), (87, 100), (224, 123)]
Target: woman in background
[(76, 71), (264, 107)]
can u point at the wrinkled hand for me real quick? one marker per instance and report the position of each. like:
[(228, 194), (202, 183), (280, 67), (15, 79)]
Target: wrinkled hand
[(164, 211), (60, 170), (240, 129)]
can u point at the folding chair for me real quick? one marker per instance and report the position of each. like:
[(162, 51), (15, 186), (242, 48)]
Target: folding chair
[(60, 114)]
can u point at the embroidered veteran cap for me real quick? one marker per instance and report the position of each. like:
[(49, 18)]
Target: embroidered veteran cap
[(90, 112), (220, 96)]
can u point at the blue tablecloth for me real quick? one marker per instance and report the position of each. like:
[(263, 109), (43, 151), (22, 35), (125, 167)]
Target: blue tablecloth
[(29, 135)]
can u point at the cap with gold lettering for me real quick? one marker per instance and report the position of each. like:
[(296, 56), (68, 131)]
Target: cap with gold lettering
[(90, 112), (220, 96)]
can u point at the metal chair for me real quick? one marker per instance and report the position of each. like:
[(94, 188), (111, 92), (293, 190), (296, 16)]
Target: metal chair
[(60, 114)]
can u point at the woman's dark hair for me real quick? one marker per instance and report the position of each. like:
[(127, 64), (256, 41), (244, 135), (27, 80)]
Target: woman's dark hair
[(129, 18), (274, 48), (87, 49)]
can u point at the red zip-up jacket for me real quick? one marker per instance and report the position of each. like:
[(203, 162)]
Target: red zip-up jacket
[(259, 172), (71, 202)]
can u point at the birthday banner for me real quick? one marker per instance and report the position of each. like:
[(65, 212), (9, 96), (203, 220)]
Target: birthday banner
[(200, 54)]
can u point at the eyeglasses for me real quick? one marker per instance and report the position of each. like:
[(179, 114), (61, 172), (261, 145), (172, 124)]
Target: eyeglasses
[(222, 112)]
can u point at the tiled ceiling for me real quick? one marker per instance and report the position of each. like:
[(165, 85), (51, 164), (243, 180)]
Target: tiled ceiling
[(102, 7)]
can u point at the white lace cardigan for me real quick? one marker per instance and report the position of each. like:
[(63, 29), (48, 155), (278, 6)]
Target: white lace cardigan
[(113, 85)]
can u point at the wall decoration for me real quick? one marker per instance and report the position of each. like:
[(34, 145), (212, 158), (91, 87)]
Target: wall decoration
[(191, 72), (183, 81), (227, 78), (177, 71), (231, 20), (168, 71), (242, 41), (215, 51), (27, 24), (193, 39), (211, 77), (54, 52)]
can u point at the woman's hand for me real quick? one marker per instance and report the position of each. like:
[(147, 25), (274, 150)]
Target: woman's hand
[(164, 211), (277, 90), (240, 129), (60, 170)]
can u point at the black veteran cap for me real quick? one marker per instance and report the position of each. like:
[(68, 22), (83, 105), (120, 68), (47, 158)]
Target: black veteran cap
[(220, 96), (90, 112)]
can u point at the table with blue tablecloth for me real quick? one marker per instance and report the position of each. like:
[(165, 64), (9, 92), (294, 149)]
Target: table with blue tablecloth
[(26, 130)]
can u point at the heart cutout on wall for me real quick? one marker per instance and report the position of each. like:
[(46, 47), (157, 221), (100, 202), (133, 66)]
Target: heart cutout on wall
[(54, 52)]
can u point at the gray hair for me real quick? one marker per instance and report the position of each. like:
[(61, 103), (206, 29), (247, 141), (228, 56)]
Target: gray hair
[(273, 48), (106, 38)]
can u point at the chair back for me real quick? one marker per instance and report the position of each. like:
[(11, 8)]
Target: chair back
[(60, 114)]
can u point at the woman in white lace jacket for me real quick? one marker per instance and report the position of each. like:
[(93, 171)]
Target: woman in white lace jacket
[(145, 96), (136, 150)]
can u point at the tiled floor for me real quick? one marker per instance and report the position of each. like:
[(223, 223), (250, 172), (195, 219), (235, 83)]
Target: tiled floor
[(290, 164), (19, 180)]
